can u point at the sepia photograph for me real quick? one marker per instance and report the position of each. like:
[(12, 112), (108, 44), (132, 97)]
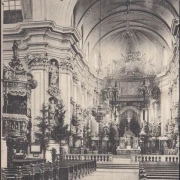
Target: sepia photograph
[(90, 89)]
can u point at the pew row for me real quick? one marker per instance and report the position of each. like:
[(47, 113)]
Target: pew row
[(64, 170)]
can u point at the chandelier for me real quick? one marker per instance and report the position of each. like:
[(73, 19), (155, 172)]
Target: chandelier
[(128, 32)]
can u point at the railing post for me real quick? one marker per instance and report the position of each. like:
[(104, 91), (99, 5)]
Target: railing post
[(57, 175), (19, 173), (51, 171), (42, 171)]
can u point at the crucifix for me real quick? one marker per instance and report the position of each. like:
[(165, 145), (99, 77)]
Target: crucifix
[(129, 120)]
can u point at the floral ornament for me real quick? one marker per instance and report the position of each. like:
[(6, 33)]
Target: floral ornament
[(155, 93), (54, 92)]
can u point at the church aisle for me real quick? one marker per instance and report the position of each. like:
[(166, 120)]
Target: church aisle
[(114, 174)]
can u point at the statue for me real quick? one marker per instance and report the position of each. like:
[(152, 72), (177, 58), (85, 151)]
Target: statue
[(155, 93), (23, 107), (8, 75), (52, 108), (54, 74), (105, 130), (15, 48), (23, 127)]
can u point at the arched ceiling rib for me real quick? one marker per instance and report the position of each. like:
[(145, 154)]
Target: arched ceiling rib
[(84, 7), (157, 29), (149, 20)]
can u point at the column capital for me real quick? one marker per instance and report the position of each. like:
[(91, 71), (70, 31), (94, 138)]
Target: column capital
[(66, 64), (89, 93), (75, 78), (72, 101), (83, 86)]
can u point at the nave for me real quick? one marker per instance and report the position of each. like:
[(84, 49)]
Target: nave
[(90, 85)]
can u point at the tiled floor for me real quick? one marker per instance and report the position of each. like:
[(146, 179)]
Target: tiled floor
[(113, 174)]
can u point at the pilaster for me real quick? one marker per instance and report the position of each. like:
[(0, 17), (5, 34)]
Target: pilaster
[(38, 64), (65, 78)]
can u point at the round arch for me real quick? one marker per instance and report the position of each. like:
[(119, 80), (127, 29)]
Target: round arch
[(129, 108), (133, 108)]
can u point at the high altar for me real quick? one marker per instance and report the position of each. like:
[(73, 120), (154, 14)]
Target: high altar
[(128, 144)]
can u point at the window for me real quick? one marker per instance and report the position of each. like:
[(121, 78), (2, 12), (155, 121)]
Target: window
[(12, 5), (12, 11)]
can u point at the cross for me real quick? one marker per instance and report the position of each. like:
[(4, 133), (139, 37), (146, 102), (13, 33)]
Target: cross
[(129, 119)]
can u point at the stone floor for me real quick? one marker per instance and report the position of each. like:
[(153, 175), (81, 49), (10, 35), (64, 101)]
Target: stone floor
[(113, 174)]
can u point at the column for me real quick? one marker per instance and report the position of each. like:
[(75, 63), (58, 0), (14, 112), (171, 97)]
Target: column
[(79, 94), (155, 112), (141, 116), (3, 142), (38, 97), (85, 99), (65, 78), (75, 84), (65, 93)]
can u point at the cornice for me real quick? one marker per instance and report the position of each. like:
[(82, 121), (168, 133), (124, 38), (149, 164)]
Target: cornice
[(45, 28), (20, 28)]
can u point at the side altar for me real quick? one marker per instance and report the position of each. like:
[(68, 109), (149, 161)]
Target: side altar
[(128, 144)]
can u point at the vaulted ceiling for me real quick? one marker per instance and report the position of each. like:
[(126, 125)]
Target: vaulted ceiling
[(149, 21)]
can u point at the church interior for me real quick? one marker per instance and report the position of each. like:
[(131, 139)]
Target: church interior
[(89, 77)]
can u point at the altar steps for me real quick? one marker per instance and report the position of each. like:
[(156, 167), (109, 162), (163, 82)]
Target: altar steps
[(118, 166), (123, 156), (162, 174), (165, 171), (118, 163)]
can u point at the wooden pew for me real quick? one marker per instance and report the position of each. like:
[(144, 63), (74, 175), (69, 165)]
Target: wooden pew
[(12, 173), (64, 170), (161, 170)]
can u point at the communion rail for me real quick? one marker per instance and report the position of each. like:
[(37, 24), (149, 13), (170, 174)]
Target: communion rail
[(155, 158), (97, 157), (64, 170)]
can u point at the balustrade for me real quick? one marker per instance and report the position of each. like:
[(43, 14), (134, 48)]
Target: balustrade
[(155, 158), (97, 157)]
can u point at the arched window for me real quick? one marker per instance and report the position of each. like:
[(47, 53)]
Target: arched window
[(12, 5), (12, 11)]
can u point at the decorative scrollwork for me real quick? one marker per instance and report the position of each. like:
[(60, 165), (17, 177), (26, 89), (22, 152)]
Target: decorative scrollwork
[(54, 92), (36, 59)]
